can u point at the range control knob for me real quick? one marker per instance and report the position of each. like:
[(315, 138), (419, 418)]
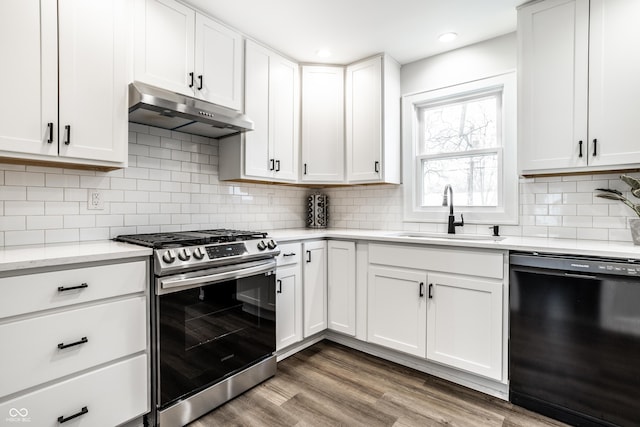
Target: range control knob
[(261, 245), (169, 256), (184, 254), (198, 253), (271, 244)]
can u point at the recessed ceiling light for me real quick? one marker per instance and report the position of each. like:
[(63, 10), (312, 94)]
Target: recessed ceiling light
[(323, 53), (447, 37)]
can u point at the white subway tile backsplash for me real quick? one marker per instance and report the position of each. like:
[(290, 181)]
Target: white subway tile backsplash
[(13, 193), (28, 237), (62, 236), (13, 223), (577, 198), (562, 187), (593, 210), (45, 193), (30, 179), (23, 208), (593, 233), (44, 222), (548, 199)]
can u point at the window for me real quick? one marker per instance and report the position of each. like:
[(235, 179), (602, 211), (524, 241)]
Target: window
[(463, 136)]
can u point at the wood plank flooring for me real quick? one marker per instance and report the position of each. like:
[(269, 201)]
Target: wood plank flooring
[(332, 385)]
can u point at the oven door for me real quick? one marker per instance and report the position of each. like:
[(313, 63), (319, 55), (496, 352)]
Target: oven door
[(212, 324)]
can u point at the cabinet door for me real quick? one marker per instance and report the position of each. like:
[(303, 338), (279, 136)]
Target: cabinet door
[(322, 124), (93, 80), (553, 84), (29, 77), (364, 120), (341, 286), (288, 306), (164, 44), (315, 287), (397, 309), (464, 325), (256, 143), (218, 63), (614, 94), (284, 95)]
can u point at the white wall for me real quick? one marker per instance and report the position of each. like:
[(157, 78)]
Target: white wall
[(478, 61), (171, 184)]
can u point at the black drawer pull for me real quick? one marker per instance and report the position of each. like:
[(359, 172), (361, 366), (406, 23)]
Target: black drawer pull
[(279, 286), (421, 294), (191, 77), (200, 78), (580, 145), (277, 165), (83, 411), (595, 147), (376, 166), (50, 127), (82, 341), (291, 254), (67, 129), (430, 290), (70, 288), (308, 256)]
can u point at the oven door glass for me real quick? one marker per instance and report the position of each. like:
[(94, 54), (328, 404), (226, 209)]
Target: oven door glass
[(213, 331)]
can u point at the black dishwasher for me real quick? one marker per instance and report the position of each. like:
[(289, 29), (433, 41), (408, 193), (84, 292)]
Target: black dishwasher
[(574, 345)]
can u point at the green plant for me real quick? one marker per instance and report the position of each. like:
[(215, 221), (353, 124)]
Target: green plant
[(610, 194)]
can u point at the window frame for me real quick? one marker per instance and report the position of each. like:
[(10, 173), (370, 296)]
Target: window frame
[(506, 212)]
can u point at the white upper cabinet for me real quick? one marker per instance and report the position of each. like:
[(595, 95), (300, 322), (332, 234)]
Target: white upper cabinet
[(322, 124), (272, 96), (93, 66), (179, 49), (577, 86), (31, 82), (86, 41), (373, 121)]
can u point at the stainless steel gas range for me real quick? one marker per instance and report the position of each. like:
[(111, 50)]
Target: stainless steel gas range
[(212, 319)]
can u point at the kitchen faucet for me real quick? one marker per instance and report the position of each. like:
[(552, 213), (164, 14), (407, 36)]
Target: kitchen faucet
[(449, 201)]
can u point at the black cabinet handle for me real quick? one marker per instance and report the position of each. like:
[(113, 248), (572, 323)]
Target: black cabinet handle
[(82, 341), (595, 147), (430, 290), (50, 127), (271, 164), (289, 254), (200, 79), (421, 289), (277, 165), (83, 411), (580, 145), (67, 130), (70, 288), (279, 286), (376, 166), (191, 77), (308, 256), (305, 168)]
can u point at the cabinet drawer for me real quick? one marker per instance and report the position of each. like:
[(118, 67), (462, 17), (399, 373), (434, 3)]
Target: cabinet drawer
[(112, 395), (32, 356), (39, 291), (289, 254), (461, 261)]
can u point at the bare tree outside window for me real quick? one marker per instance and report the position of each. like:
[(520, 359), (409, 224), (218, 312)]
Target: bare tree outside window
[(459, 145)]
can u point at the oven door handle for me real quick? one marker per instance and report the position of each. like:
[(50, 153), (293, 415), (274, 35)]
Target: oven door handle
[(174, 284)]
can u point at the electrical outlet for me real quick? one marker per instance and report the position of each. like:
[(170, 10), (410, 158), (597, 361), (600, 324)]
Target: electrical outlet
[(95, 200)]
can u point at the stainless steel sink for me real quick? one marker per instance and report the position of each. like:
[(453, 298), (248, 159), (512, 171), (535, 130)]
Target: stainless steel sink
[(445, 236)]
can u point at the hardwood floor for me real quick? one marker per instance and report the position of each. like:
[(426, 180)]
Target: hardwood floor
[(332, 385)]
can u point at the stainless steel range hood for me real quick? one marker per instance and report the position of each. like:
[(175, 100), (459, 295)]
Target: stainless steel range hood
[(149, 105)]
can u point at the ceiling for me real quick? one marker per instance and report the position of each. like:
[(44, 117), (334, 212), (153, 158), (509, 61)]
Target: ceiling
[(354, 29)]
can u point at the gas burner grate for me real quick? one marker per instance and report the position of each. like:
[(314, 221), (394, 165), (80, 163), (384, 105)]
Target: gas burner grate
[(189, 238)]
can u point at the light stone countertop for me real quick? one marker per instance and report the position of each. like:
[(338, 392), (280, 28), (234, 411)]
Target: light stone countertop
[(624, 250), (14, 258)]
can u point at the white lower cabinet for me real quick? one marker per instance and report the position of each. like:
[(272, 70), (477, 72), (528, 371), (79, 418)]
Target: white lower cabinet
[(288, 296), (108, 396), (78, 339), (314, 272), (341, 286), (397, 309), (414, 305), (464, 323)]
